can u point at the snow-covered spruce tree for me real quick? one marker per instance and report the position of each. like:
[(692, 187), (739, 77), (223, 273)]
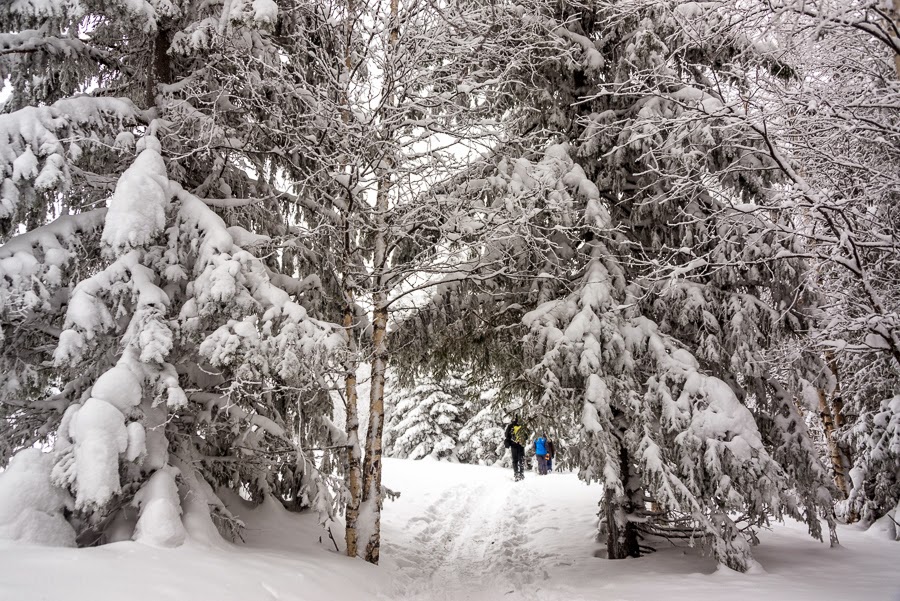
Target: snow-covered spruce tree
[(442, 417), (426, 420), (656, 297), (835, 87), (645, 406), (481, 438), (832, 130), (157, 344)]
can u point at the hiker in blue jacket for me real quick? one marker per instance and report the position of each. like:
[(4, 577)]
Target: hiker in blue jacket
[(541, 451)]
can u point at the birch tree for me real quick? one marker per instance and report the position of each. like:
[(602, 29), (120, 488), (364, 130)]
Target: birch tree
[(405, 105)]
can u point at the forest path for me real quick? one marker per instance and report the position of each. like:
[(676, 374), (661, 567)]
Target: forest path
[(464, 533)]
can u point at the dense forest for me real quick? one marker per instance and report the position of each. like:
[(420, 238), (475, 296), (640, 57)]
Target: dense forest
[(252, 246)]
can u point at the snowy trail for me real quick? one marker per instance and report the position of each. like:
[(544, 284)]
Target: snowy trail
[(480, 547), (457, 533), (462, 532), (475, 536)]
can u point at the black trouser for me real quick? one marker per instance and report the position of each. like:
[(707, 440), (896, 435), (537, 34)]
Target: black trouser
[(518, 457)]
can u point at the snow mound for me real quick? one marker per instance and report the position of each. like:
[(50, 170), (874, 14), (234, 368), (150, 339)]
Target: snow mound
[(99, 433), (159, 523), (886, 527), (137, 209), (31, 508), (118, 386), (265, 11)]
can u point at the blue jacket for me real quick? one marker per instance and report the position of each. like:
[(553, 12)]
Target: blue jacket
[(540, 446)]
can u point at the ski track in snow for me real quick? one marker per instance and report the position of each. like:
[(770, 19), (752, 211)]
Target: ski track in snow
[(474, 540), (461, 533)]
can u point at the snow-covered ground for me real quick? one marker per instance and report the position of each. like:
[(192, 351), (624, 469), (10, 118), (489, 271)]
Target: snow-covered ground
[(282, 559), (457, 532), (467, 532)]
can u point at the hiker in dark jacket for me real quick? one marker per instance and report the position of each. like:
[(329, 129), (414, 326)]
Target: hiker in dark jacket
[(551, 453), (515, 438)]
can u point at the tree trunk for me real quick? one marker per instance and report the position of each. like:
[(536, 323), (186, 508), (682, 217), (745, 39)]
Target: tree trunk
[(622, 536), (354, 475), (160, 71), (372, 466), (354, 451), (834, 452), (372, 463), (893, 19), (837, 406), (837, 402)]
